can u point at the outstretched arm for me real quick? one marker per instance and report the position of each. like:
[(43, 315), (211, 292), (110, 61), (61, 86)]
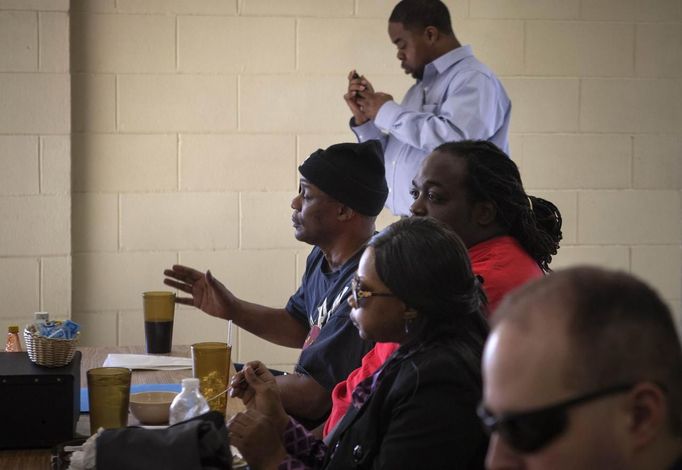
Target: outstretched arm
[(211, 296)]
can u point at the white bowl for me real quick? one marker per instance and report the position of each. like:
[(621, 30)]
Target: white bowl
[(151, 407)]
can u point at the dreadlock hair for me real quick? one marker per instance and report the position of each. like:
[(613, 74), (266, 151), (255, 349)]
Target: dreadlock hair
[(416, 15), (494, 177)]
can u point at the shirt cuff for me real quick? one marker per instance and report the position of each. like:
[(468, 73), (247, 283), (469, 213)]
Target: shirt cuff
[(303, 449), (291, 463), (387, 115), (366, 131), (297, 439)]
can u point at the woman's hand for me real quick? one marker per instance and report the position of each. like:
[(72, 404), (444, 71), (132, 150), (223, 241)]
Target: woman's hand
[(258, 439), (257, 388)]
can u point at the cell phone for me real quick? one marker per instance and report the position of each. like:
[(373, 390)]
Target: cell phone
[(355, 77)]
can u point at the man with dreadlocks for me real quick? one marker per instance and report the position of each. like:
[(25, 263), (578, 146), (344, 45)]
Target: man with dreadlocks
[(476, 189)]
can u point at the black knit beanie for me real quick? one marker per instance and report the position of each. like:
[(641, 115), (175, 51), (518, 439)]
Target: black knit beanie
[(353, 174)]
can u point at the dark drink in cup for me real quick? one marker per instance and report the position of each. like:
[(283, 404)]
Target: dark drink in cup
[(159, 313), (159, 335)]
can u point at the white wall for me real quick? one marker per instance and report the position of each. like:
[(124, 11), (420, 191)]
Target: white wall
[(35, 160), (190, 117)]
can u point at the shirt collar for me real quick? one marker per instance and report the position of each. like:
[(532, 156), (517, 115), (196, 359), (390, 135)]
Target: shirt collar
[(447, 60)]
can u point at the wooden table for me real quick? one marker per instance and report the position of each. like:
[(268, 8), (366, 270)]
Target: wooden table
[(37, 459)]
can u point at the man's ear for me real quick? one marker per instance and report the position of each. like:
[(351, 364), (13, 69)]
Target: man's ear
[(431, 34), (344, 213), (484, 213), (648, 410)]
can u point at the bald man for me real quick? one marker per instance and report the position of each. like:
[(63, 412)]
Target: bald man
[(583, 370)]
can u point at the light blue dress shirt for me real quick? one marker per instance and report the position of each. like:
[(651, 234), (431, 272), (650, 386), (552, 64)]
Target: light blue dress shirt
[(458, 98)]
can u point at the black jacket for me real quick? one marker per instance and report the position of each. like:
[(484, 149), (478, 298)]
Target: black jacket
[(422, 416)]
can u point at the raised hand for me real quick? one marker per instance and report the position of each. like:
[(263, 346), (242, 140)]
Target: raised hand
[(207, 293), (357, 85)]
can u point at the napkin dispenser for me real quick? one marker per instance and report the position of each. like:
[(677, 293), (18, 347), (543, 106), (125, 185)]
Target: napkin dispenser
[(39, 406)]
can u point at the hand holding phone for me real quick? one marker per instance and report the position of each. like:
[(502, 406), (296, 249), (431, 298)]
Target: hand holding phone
[(364, 86), (354, 93), (355, 77)]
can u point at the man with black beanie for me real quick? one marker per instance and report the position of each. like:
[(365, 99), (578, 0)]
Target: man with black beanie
[(342, 190)]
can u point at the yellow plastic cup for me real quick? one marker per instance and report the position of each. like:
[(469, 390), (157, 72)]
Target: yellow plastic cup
[(211, 365), (109, 396)]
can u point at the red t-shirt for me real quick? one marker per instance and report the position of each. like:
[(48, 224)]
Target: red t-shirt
[(502, 263)]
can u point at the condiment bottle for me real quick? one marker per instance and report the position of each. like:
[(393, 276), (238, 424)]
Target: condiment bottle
[(13, 344)]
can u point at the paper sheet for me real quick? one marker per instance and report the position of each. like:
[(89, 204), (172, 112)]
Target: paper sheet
[(148, 362)]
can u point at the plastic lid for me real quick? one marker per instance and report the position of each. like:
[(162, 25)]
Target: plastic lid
[(13, 329), (190, 383)]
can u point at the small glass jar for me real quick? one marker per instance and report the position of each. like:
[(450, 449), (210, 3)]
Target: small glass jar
[(13, 343)]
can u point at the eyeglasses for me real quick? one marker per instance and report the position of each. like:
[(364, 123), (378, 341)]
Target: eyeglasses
[(530, 431), (357, 293)]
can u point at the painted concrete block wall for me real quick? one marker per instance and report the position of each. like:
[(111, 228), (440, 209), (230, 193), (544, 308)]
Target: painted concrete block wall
[(35, 161), (186, 143), (190, 117)]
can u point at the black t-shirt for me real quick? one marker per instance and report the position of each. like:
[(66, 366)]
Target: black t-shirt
[(333, 348)]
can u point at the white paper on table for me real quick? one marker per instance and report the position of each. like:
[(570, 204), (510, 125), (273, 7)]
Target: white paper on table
[(144, 361)]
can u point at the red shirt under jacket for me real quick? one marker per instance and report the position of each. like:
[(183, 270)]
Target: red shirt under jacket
[(502, 263)]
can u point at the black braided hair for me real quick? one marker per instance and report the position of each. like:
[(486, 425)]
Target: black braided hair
[(494, 177)]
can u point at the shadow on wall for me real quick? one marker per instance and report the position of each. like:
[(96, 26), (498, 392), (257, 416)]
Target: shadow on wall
[(106, 166), (86, 115)]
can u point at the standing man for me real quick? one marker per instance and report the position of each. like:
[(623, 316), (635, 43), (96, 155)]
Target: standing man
[(455, 98), (583, 370), (342, 189)]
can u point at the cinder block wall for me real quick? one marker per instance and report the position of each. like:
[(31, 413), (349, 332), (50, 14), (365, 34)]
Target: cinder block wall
[(35, 160), (190, 117)]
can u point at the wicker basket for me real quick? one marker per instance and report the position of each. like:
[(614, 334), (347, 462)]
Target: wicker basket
[(49, 352)]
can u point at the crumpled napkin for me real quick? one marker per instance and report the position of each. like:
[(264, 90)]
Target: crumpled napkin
[(84, 459)]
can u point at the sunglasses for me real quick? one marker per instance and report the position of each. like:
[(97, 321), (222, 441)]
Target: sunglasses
[(358, 294), (530, 431)]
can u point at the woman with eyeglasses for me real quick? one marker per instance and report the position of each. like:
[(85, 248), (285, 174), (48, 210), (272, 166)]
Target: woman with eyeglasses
[(414, 286)]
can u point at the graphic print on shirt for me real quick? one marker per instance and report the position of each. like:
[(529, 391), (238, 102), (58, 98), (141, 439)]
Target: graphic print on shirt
[(324, 312)]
